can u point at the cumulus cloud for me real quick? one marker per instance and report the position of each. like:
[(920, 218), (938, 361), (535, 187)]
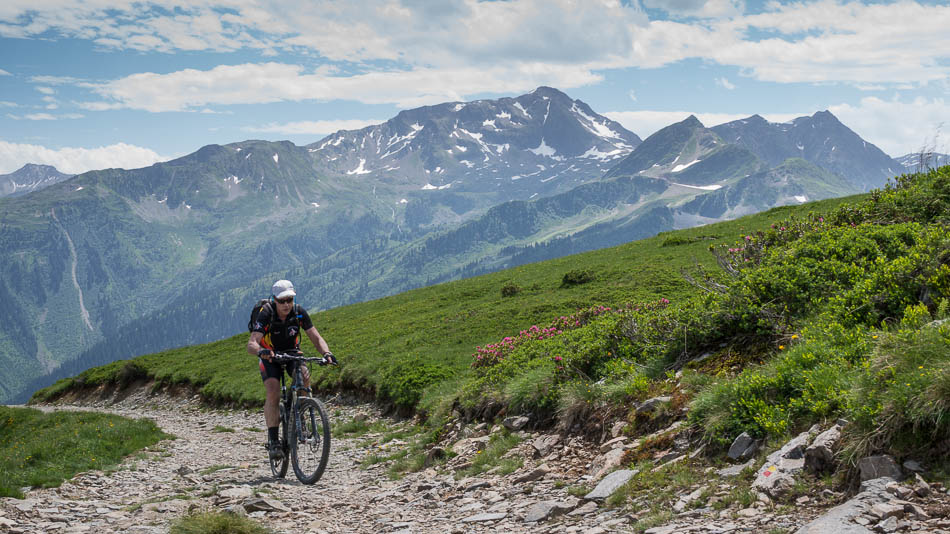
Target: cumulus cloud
[(75, 160), (313, 127), (437, 51), (698, 8), (646, 123), (259, 83), (898, 126)]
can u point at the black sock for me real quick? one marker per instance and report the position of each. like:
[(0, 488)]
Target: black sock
[(272, 433)]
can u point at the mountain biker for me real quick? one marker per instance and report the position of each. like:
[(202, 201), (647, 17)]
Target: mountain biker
[(277, 328)]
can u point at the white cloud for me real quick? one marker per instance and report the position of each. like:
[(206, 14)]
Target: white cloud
[(45, 90), (314, 127), (646, 123), (896, 126), (6, 104), (444, 48), (632, 94), (45, 116), (698, 8), (55, 80), (259, 83), (74, 160), (4, 73), (725, 83)]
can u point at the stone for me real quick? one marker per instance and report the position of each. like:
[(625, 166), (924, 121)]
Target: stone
[(887, 526), (660, 530), (879, 466), (240, 492), (543, 445), (847, 518), (544, 510), (585, 509), (921, 487), (606, 463), (913, 466), (899, 491), (884, 510), (734, 470), (535, 474), (610, 484), (484, 518), (613, 444), (264, 505), (820, 455), (515, 423), (651, 405), (433, 455), (618, 428), (741, 446)]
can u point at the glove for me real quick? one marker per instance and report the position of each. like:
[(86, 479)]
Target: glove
[(330, 358), (265, 352)]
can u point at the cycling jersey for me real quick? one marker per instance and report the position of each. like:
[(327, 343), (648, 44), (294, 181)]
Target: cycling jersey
[(282, 335)]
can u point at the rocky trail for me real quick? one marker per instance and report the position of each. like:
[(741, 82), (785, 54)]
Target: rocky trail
[(206, 468)]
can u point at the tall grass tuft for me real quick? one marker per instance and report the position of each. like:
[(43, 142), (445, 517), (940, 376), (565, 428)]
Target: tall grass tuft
[(216, 523)]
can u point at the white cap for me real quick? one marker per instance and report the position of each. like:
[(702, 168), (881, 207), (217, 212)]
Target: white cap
[(283, 288)]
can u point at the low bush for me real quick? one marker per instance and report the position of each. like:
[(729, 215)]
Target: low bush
[(576, 277), (510, 289)]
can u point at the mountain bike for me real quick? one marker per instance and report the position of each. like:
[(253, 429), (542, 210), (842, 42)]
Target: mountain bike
[(304, 425)]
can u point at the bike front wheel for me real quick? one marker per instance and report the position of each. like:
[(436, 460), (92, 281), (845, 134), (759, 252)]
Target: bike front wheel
[(310, 444)]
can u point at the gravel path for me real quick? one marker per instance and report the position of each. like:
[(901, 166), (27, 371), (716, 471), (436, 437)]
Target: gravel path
[(205, 469)]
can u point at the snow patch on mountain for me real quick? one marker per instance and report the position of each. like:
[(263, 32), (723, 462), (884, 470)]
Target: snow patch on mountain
[(359, 169), (522, 109), (679, 168), (543, 150), (702, 187)]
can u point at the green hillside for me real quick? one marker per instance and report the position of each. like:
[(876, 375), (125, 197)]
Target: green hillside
[(800, 314), (433, 331)]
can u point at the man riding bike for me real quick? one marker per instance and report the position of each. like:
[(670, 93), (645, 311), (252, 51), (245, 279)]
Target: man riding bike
[(277, 328)]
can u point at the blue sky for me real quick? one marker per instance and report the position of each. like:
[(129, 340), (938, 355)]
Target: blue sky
[(88, 84)]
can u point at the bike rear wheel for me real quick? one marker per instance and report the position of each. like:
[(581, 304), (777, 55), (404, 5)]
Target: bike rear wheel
[(278, 466), (310, 443)]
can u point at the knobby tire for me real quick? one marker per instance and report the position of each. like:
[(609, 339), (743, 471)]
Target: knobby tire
[(310, 441)]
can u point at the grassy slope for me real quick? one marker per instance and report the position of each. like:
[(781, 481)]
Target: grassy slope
[(437, 328)]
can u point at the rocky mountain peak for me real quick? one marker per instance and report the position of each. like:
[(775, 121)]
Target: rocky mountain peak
[(30, 177), (537, 143)]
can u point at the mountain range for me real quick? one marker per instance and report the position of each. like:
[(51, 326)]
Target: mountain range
[(114, 263)]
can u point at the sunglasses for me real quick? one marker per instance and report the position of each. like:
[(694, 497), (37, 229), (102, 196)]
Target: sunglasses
[(286, 300)]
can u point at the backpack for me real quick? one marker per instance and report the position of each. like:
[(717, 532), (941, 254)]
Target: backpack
[(255, 311)]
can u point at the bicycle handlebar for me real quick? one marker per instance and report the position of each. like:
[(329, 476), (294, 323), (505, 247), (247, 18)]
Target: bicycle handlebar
[(298, 357)]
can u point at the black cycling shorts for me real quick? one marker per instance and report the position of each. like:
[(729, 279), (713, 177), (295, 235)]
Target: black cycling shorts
[(273, 370)]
